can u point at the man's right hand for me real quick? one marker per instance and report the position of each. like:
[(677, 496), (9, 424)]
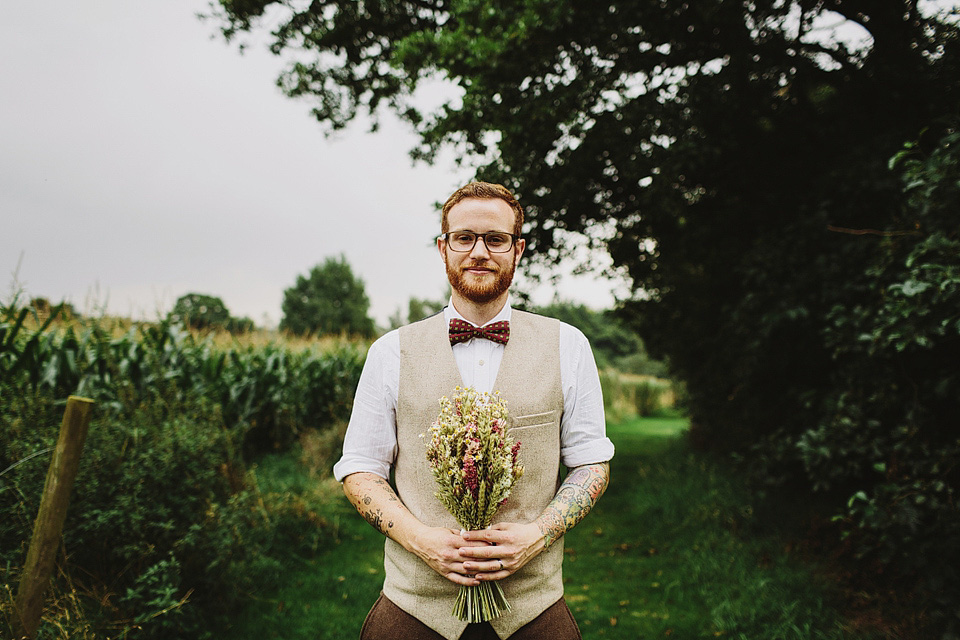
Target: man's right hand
[(439, 547)]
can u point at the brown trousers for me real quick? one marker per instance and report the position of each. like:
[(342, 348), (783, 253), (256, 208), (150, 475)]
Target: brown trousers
[(387, 621)]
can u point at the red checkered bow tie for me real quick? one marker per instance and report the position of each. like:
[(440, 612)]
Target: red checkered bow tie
[(461, 331)]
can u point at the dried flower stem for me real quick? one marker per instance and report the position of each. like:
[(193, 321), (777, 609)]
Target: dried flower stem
[(475, 463)]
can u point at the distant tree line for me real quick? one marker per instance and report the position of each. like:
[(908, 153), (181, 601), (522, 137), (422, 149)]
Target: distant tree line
[(329, 300)]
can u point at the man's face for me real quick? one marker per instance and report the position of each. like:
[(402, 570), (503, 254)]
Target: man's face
[(479, 275)]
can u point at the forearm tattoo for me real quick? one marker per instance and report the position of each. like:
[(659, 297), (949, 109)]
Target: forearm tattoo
[(363, 500), (579, 492)]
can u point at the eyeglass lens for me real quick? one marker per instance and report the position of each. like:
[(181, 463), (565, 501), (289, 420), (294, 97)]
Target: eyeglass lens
[(496, 241)]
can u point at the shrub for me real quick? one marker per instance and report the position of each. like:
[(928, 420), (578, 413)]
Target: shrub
[(167, 530), (628, 396), (878, 434)]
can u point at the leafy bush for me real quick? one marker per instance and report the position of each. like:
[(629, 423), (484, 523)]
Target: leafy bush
[(613, 342), (627, 396), (203, 312), (878, 434), (167, 530), (200, 311)]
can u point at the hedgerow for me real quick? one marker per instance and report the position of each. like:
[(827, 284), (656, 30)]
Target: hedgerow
[(167, 530), (860, 408)]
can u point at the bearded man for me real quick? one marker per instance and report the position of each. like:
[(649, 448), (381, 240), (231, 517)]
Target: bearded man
[(546, 372)]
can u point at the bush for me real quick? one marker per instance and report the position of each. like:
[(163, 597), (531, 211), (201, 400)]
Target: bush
[(167, 531), (614, 344), (627, 396), (877, 433)]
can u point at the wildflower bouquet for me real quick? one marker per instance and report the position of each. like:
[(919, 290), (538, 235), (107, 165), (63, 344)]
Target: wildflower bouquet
[(474, 461)]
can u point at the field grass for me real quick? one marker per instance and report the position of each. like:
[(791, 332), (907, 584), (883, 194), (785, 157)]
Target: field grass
[(325, 597), (671, 550)]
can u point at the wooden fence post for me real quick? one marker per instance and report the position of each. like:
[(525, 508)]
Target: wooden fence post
[(53, 511)]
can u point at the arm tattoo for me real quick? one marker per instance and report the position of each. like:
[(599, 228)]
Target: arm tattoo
[(364, 499), (579, 492)]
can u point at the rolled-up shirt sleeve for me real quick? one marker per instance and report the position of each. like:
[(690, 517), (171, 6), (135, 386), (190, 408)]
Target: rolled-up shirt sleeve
[(583, 429), (370, 443)]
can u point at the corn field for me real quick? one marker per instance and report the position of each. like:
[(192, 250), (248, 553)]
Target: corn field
[(269, 392)]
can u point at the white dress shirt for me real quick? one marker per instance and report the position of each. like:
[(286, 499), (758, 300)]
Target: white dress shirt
[(370, 443)]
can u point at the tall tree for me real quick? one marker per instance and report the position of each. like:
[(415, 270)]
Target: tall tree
[(328, 300), (709, 146), (732, 158), (200, 311)]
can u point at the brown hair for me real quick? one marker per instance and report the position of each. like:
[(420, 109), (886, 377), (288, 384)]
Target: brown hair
[(486, 190)]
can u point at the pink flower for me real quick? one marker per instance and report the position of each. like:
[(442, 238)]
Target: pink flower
[(515, 451), (473, 446), (470, 475)]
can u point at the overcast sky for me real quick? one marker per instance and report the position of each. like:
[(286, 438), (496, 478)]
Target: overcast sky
[(142, 158)]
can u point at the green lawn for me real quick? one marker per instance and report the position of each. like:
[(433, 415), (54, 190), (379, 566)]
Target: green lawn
[(671, 550)]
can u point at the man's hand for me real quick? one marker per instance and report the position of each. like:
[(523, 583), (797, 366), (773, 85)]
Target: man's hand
[(443, 551), (507, 547), (468, 557), (513, 545), (440, 548)]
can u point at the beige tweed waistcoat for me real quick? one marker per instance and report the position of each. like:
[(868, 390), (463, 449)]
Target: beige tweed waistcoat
[(529, 380)]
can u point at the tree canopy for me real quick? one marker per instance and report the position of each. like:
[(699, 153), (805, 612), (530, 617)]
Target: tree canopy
[(733, 159), (200, 311), (328, 300), (613, 343), (203, 311), (688, 139)]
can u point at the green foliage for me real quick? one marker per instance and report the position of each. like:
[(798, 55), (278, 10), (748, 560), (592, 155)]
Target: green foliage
[(890, 432), (330, 300), (270, 394), (879, 435), (628, 396), (167, 530), (200, 311), (420, 308), (614, 343), (417, 309), (22, 354), (734, 160)]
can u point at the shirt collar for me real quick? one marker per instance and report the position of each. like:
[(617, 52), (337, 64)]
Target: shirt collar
[(449, 312)]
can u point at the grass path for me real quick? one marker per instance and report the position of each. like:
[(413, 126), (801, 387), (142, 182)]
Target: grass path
[(670, 551)]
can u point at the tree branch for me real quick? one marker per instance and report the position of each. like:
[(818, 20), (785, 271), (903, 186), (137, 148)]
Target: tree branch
[(870, 232)]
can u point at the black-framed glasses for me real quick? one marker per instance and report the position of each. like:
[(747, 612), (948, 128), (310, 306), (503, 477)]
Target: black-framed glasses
[(495, 241)]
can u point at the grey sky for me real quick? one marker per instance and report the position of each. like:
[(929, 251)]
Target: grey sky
[(142, 159)]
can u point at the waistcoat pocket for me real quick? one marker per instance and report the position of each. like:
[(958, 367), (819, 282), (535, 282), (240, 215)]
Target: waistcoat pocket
[(531, 420)]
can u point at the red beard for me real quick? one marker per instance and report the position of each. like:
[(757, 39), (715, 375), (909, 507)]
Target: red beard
[(479, 293)]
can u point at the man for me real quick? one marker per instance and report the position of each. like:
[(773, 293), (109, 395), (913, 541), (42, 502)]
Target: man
[(545, 371)]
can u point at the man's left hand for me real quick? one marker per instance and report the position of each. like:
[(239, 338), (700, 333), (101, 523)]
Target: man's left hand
[(510, 547)]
